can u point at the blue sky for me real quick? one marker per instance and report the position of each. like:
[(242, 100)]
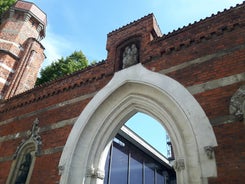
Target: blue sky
[(84, 25), (151, 130)]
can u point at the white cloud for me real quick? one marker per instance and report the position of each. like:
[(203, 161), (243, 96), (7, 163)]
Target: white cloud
[(55, 46)]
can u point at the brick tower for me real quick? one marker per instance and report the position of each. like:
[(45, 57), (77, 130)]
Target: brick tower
[(21, 53)]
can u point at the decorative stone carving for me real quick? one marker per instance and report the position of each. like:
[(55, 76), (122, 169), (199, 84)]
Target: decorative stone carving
[(209, 150), (130, 56), (61, 169), (95, 173), (237, 103), (179, 164), (35, 134), (100, 174), (32, 135)]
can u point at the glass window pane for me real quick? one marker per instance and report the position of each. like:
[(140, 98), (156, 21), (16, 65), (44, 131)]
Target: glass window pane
[(160, 178), (24, 169), (149, 174), (136, 171), (119, 166)]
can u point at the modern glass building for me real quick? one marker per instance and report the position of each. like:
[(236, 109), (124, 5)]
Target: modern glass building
[(132, 161)]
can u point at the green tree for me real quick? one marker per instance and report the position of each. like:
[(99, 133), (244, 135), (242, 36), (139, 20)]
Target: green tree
[(5, 5), (76, 61)]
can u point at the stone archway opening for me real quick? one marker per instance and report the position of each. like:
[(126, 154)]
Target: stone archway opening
[(133, 90), (139, 153)]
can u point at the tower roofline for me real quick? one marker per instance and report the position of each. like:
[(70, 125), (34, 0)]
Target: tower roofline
[(33, 10)]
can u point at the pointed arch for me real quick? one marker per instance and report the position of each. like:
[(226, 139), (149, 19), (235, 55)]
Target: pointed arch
[(23, 164), (24, 157), (133, 90)]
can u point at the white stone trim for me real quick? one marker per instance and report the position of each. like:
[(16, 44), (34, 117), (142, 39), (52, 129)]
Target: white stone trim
[(51, 107), (133, 90), (13, 43), (201, 59), (6, 67), (4, 81), (195, 89), (213, 84), (54, 126)]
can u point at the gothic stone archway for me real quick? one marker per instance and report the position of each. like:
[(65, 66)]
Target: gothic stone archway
[(132, 90)]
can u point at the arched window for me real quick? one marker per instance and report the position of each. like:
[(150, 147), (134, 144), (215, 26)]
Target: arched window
[(24, 169), (24, 158)]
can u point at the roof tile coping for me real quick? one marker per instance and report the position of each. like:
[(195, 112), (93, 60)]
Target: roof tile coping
[(179, 29), (130, 24), (50, 92), (191, 41), (179, 45)]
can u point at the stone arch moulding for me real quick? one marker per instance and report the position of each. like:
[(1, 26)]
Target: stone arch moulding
[(136, 89)]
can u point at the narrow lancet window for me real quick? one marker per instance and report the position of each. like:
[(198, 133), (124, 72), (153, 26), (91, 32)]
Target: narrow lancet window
[(24, 169)]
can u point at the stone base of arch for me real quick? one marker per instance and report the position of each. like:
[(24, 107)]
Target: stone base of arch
[(133, 90)]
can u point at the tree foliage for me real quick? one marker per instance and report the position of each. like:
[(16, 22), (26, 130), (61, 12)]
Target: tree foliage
[(76, 61), (5, 5)]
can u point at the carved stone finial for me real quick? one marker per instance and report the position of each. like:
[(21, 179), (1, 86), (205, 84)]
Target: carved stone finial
[(32, 135), (209, 150), (35, 135), (179, 164), (35, 128), (130, 56), (237, 103)]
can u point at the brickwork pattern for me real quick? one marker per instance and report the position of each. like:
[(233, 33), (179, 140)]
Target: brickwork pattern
[(19, 32), (208, 50)]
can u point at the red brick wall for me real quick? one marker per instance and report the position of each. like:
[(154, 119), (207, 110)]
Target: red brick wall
[(26, 69), (212, 49), (4, 170), (18, 31), (230, 153), (46, 170)]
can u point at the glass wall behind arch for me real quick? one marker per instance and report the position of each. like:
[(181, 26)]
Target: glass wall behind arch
[(129, 162), (150, 130)]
